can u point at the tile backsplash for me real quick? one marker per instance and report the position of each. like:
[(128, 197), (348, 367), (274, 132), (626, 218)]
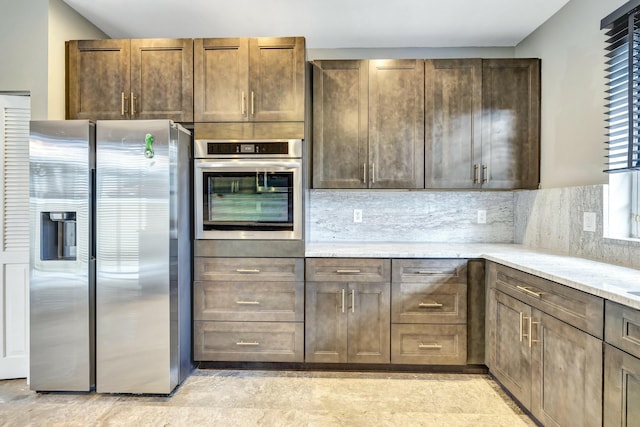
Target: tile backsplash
[(552, 219), (410, 216)]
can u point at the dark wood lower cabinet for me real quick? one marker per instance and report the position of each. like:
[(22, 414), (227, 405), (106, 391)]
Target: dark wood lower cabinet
[(621, 388)]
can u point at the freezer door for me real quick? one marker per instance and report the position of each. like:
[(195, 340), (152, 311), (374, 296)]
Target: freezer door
[(133, 223), (61, 159)]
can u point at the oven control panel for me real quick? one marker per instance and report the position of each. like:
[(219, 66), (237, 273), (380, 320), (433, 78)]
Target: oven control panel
[(283, 148)]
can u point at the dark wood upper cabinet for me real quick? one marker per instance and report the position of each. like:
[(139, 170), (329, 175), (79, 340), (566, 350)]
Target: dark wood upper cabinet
[(130, 79), (396, 123), (453, 138), (249, 79), (510, 123), (368, 124), (340, 124)]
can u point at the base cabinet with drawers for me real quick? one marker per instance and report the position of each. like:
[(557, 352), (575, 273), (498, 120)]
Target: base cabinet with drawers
[(429, 311), (347, 310), (249, 309), (544, 344), (621, 366)]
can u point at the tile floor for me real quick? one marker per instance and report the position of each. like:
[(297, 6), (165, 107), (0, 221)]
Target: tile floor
[(277, 398)]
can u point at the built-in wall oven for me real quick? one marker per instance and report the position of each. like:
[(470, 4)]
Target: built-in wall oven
[(248, 190)]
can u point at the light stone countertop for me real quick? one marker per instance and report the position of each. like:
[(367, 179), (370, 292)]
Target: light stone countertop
[(601, 279)]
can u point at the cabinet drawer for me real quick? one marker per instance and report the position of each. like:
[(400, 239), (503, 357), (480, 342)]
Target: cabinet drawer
[(429, 344), (622, 327), (250, 269), (428, 303), (248, 341), (577, 308), (348, 270), (429, 271), (249, 301)]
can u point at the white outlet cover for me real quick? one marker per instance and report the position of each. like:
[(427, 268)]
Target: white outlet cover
[(482, 216), (589, 221), (357, 215)]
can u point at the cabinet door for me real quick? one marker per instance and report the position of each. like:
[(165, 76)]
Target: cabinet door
[(621, 388), (510, 354), (396, 123), (510, 123), (453, 106), (326, 322), (369, 335), (565, 362), (162, 79), (340, 134), (98, 80), (276, 79), (221, 80)]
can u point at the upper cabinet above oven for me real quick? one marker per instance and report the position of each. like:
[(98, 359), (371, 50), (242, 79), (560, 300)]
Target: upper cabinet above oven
[(249, 79)]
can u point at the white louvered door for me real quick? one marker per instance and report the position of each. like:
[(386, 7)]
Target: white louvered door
[(15, 112)]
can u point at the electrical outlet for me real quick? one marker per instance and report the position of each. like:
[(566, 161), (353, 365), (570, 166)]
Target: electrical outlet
[(482, 216), (357, 215), (589, 221)]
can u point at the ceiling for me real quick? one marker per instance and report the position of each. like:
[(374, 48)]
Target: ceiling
[(327, 23)]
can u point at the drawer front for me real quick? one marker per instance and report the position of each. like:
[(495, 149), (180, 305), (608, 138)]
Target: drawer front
[(249, 269), (248, 341), (249, 301), (429, 344), (429, 271), (429, 303), (348, 270), (622, 327), (577, 308)]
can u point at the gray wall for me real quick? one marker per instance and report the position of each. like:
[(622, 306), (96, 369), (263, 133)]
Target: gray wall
[(571, 47), (32, 35)]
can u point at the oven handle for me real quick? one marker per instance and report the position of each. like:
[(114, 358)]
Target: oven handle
[(257, 165)]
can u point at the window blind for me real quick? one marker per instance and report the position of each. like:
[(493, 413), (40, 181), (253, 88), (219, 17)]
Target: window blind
[(623, 93)]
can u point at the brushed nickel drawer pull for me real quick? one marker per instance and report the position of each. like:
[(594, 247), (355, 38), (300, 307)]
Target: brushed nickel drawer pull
[(248, 302), (430, 305), (430, 346), (433, 272), (347, 271), (529, 291), (476, 179), (247, 271), (242, 343)]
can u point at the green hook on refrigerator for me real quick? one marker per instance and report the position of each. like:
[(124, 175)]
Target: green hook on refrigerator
[(148, 151)]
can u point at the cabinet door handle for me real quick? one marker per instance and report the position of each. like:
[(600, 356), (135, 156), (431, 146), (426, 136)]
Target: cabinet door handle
[(353, 300), (248, 302), (253, 111), (373, 173), (133, 105), (521, 326), (247, 271), (343, 300), (529, 291), (476, 178), (485, 174), (364, 173), (347, 271), (123, 102), (242, 343), (531, 323), (430, 305), (242, 103), (430, 346)]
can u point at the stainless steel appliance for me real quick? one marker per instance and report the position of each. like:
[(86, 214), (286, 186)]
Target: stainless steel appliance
[(142, 252), (248, 190), (62, 263)]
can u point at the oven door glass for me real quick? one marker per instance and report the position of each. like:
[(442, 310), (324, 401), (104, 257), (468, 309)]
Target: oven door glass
[(257, 201)]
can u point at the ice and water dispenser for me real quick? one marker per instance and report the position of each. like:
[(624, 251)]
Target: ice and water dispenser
[(58, 236)]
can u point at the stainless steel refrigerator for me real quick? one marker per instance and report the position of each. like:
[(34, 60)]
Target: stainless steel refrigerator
[(141, 204)]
